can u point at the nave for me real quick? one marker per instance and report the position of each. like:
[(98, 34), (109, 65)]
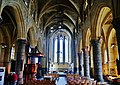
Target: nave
[(67, 79), (42, 36)]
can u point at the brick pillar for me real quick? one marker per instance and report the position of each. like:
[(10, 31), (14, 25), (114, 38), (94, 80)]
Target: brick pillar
[(20, 59), (86, 62), (80, 61), (97, 60), (32, 58)]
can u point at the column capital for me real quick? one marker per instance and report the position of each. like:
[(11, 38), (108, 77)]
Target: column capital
[(116, 23), (79, 53), (21, 41), (85, 48), (95, 41), (86, 51)]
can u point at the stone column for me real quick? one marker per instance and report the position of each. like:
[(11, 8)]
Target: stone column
[(80, 61), (86, 62), (5, 56), (27, 51), (32, 59), (75, 64), (97, 60), (46, 50), (116, 25), (7, 62), (74, 52), (2, 53), (20, 59)]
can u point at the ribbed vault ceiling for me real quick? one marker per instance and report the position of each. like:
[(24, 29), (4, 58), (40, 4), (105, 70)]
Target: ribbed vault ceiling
[(53, 12)]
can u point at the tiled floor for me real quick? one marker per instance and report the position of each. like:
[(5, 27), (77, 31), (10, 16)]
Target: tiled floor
[(61, 81)]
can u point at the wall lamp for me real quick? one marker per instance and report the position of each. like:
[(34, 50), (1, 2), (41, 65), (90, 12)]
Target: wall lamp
[(3, 45), (113, 45)]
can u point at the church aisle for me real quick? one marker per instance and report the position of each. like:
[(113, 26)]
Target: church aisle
[(61, 81)]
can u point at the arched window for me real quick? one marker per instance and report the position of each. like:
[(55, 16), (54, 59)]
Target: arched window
[(61, 46)]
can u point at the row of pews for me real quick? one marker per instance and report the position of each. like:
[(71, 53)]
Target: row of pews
[(72, 79), (76, 79), (49, 79), (40, 82), (53, 76)]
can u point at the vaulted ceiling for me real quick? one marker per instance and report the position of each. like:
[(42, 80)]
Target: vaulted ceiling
[(51, 13), (48, 13)]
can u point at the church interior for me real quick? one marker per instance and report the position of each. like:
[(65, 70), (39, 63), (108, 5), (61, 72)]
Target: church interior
[(74, 40)]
